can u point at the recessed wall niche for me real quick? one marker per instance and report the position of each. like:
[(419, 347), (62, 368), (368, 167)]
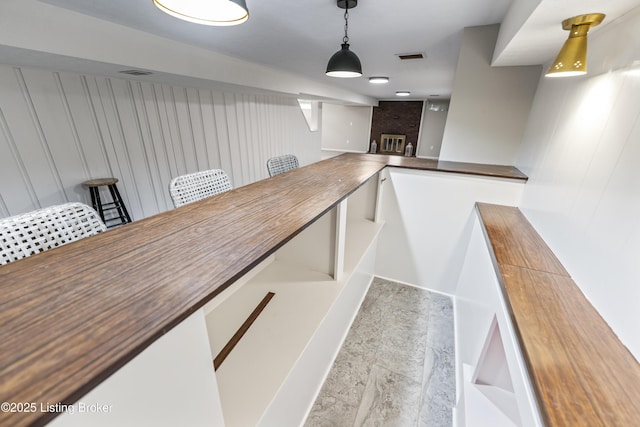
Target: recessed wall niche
[(399, 118)]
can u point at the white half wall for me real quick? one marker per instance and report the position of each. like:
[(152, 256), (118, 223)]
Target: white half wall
[(428, 220), (581, 151), (59, 129), (489, 105), (488, 360), (171, 383)]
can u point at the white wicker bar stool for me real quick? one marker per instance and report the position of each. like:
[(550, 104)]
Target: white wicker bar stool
[(281, 164), (43, 229), (196, 186)]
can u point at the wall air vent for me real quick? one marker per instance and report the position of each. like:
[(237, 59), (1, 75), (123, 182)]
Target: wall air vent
[(136, 72), (407, 56)]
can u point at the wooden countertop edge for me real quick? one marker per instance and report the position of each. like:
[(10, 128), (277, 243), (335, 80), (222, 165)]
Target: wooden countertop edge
[(580, 371), (78, 391), (416, 163), (157, 229)]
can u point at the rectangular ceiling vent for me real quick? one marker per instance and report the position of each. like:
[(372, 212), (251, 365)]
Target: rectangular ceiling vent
[(136, 72), (407, 56)]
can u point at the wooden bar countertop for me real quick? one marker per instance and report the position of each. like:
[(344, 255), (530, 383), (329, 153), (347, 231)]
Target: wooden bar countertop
[(497, 171), (72, 316), (580, 371)]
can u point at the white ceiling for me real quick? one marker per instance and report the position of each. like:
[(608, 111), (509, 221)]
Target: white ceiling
[(300, 36)]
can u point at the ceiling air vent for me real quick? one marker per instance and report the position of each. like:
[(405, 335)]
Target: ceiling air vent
[(136, 72), (407, 56)]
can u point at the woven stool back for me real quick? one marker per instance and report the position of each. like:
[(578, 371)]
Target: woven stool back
[(43, 229), (192, 187), (281, 164)]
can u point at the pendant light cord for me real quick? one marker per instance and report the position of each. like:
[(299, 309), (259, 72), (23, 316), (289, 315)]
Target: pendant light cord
[(345, 39)]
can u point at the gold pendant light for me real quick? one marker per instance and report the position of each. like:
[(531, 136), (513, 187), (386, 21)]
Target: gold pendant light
[(572, 59)]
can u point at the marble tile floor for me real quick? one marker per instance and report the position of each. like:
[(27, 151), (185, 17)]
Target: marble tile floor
[(396, 366)]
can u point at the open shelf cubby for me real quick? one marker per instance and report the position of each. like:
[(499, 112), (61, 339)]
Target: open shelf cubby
[(489, 390), (307, 275)]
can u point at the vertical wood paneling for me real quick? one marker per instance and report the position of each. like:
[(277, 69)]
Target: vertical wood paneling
[(72, 125), (197, 130), (82, 124), (15, 185), (60, 137), (234, 138), (255, 151), (261, 119), (184, 126), (58, 129), (271, 122), (106, 143), (220, 114), (174, 134), (3, 207), (43, 173), (124, 141), (581, 152), (157, 98), (242, 139), (209, 129), (84, 113), (151, 159), (139, 159), (157, 144), (247, 153)]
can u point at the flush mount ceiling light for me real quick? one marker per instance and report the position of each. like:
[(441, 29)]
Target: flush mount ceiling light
[(378, 80), (403, 93), (572, 59), (344, 63), (206, 12)]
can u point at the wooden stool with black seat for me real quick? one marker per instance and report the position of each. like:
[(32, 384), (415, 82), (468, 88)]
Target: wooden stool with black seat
[(117, 203)]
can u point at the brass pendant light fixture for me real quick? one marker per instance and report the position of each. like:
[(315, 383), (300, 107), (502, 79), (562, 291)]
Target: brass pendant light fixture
[(206, 12), (572, 59), (345, 63)]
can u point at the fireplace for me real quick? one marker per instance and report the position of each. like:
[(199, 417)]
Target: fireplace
[(392, 144)]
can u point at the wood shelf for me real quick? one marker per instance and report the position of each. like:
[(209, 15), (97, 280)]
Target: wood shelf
[(581, 373)]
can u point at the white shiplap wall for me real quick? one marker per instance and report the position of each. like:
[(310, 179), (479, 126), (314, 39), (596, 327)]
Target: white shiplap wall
[(59, 129), (581, 152)]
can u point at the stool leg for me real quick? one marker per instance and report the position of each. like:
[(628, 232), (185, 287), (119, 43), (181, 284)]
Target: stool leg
[(95, 200), (119, 203)]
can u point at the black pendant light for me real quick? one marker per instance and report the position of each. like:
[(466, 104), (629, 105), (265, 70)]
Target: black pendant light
[(344, 63)]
